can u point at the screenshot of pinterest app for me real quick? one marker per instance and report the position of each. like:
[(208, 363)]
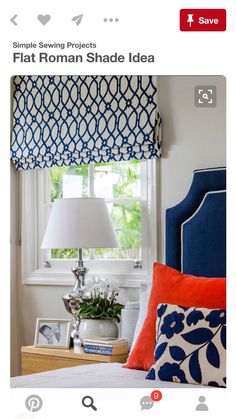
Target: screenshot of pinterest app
[(117, 183)]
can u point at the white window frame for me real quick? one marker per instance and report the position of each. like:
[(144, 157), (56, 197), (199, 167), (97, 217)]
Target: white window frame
[(34, 187)]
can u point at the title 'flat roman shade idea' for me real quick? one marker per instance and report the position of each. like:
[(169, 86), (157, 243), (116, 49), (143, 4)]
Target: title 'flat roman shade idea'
[(72, 120)]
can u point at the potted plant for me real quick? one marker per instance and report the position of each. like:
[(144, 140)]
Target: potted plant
[(99, 311)]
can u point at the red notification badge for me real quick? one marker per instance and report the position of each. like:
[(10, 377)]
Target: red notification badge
[(156, 395)]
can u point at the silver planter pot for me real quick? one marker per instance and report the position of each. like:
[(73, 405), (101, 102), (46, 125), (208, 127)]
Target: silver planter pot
[(99, 328)]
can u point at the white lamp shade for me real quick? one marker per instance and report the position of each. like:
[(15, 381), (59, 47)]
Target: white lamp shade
[(79, 223)]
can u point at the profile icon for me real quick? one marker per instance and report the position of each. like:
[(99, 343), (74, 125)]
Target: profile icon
[(202, 406)]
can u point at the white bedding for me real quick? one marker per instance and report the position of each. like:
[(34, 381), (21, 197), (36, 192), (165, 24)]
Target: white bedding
[(91, 376)]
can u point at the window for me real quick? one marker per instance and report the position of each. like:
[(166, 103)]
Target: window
[(119, 184), (129, 189)]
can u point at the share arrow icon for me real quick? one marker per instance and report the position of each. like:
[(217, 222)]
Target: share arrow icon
[(77, 19), (12, 20)]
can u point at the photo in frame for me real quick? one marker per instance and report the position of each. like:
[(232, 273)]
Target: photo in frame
[(52, 333)]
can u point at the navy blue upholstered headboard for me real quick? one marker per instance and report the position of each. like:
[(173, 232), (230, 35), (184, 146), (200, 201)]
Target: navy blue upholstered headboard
[(196, 227)]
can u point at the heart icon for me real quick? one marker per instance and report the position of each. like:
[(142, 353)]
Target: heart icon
[(44, 19)]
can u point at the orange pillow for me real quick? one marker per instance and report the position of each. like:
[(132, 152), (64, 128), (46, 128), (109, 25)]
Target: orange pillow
[(172, 287)]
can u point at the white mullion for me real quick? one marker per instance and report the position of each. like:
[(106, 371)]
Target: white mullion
[(125, 200), (91, 180), (91, 195), (144, 214), (29, 230), (44, 208), (153, 204)]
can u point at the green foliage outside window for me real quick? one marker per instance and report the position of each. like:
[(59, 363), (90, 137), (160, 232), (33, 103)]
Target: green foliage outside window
[(126, 215)]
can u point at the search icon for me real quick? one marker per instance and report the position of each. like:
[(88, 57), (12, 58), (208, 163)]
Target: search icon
[(205, 96), (87, 401)]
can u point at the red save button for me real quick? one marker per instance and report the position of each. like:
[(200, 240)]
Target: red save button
[(202, 20)]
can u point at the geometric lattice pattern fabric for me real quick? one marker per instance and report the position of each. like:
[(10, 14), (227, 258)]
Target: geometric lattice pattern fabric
[(72, 120)]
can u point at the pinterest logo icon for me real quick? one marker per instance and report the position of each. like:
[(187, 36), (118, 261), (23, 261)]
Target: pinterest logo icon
[(33, 403)]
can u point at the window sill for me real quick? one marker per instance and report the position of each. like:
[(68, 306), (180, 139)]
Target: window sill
[(65, 278)]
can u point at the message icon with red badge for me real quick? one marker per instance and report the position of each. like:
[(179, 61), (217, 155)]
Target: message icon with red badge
[(147, 402)]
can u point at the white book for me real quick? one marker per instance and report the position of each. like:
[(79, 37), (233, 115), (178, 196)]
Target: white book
[(106, 341)]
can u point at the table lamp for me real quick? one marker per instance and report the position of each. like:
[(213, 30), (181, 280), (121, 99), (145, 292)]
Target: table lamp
[(78, 223)]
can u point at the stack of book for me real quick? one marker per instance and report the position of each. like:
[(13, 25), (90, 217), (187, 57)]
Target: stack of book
[(106, 346)]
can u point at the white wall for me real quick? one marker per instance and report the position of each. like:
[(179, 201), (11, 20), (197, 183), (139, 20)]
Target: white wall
[(192, 138), (15, 283)]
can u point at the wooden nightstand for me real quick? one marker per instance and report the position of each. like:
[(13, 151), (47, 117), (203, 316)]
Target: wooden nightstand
[(43, 359)]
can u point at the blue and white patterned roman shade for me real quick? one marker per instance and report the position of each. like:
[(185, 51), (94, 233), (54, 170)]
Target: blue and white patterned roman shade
[(71, 120)]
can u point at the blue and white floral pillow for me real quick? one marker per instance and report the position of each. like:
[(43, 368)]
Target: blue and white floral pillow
[(190, 346)]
